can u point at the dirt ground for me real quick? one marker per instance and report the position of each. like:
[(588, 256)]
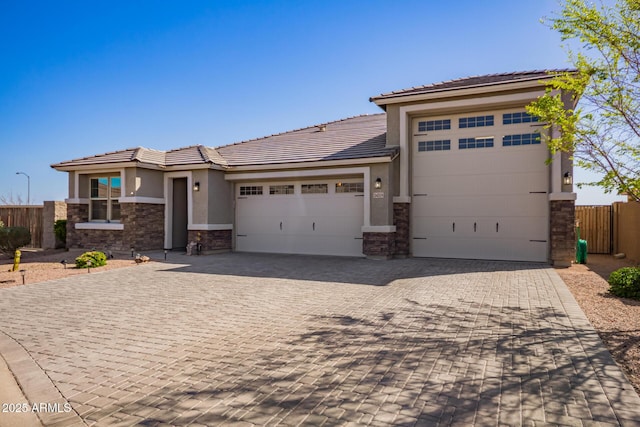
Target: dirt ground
[(40, 266), (617, 320)]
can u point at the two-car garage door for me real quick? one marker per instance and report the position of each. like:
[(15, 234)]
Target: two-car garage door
[(479, 187), (322, 217)]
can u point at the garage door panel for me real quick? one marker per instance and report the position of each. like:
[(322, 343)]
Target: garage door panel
[(508, 160), (499, 183), (260, 242), (496, 196), (328, 224)]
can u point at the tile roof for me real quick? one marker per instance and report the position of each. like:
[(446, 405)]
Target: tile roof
[(473, 81), (352, 138), (355, 137)]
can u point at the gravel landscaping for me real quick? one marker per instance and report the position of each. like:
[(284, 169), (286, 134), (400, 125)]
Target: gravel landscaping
[(617, 320)]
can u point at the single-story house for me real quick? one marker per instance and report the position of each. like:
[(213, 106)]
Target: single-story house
[(456, 169)]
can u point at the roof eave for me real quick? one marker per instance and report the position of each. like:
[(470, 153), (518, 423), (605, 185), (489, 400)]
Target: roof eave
[(70, 167), (531, 83)]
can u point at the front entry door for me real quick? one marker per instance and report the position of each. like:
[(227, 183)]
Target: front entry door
[(179, 226)]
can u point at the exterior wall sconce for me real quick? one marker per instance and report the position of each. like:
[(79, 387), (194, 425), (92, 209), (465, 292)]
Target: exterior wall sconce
[(378, 184), (196, 186), (567, 179)]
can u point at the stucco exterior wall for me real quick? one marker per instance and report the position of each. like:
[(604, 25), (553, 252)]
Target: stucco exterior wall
[(393, 125), (201, 197), (145, 183), (83, 186), (71, 177), (220, 198), (381, 207)]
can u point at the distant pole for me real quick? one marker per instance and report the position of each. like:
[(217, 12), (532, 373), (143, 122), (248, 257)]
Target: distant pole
[(28, 186)]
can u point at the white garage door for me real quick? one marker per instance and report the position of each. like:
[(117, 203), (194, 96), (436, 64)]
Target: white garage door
[(480, 187), (319, 217)]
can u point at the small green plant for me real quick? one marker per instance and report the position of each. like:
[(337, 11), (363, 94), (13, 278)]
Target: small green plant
[(97, 259), (60, 231), (625, 282)]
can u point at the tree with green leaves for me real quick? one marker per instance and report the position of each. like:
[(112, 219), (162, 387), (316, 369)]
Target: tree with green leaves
[(603, 132)]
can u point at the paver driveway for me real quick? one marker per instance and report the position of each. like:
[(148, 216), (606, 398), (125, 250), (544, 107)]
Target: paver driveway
[(269, 339)]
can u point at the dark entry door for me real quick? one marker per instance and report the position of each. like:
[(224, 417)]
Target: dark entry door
[(179, 226)]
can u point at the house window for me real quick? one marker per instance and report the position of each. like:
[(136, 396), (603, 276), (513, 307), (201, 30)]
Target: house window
[(315, 188), (250, 190), (350, 187), (105, 191), (473, 122), (521, 139), (281, 189), (438, 145), (465, 143), (515, 118), (431, 125)]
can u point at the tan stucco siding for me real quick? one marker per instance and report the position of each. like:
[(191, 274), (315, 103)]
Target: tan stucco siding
[(381, 207), (393, 125), (144, 183), (72, 185), (200, 198), (220, 209)]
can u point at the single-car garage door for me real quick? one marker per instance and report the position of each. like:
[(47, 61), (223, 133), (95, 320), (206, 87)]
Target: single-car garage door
[(313, 217), (479, 187)]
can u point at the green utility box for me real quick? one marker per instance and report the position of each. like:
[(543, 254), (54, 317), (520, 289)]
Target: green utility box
[(581, 249)]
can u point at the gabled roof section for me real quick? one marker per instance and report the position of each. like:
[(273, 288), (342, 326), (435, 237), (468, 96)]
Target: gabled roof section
[(193, 155), (472, 82), (353, 138), (139, 154)]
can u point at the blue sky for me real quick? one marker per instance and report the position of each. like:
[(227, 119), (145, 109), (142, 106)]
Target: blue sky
[(82, 78)]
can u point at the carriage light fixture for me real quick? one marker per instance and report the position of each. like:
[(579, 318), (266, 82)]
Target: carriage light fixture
[(378, 183), (196, 186), (567, 179)]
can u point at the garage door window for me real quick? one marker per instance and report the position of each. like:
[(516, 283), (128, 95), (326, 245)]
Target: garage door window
[(431, 125), (250, 190), (438, 145), (521, 139), (515, 118), (315, 188), (281, 189), (350, 187), (465, 143), (473, 122)]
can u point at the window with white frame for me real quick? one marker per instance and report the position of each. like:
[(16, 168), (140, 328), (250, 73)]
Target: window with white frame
[(104, 204)]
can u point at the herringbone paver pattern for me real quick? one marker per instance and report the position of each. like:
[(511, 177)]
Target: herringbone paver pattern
[(289, 340)]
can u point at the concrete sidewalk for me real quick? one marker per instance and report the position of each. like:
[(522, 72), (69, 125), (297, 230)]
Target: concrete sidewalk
[(249, 339)]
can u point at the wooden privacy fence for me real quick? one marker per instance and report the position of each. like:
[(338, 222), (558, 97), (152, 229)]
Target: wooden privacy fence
[(595, 224), (30, 217)]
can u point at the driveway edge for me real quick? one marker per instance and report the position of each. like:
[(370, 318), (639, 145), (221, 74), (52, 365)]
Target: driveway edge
[(37, 386), (622, 396)]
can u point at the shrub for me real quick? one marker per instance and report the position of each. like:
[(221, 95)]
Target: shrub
[(625, 282), (60, 231), (12, 238), (97, 258)]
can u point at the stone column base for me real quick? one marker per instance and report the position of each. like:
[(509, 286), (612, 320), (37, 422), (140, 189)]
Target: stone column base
[(562, 232), (212, 240), (379, 245), (401, 219)]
